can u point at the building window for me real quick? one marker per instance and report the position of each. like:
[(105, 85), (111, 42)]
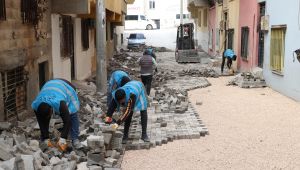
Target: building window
[(277, 49), (205, 17), (67, 37), (85, 36), (244, 42), (13, 83), (230, 38), (29, 11), (2, 10), (152, 4)]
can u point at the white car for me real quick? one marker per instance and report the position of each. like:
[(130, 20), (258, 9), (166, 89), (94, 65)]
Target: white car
[(139, 22)]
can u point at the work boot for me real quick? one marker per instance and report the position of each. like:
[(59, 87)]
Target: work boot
[(145, 138), (144, 120), (48, 143), (77, 144), (124, 140), (62, 144)]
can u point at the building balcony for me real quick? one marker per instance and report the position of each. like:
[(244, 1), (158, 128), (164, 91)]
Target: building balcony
[(198, 3)]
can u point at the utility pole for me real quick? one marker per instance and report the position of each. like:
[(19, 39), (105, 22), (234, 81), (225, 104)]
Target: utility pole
[(181, 12), (101, 72)]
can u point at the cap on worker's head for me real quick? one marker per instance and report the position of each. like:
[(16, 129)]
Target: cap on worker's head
[(148, 51), (120, 94)]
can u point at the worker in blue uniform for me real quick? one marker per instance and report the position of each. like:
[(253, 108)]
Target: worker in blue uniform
[(117, 79), (58, 95), (230, 56), (132, 96)]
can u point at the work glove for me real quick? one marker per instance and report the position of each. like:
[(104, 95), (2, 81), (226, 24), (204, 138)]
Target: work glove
[(109, 120), (114, 126), (62, 144), (48, 143)]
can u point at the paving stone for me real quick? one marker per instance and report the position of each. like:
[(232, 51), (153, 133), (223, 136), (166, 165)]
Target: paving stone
[(95, 142), (5, 152), (107, 138), (95, 168), (95, 159), (5, 125)]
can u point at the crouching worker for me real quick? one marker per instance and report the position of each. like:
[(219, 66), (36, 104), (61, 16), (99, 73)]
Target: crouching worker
[(131, 96), (59, 95), (229, 55), (117, 79)]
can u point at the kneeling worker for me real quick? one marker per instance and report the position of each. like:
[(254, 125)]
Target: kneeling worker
[(229, 55), (131, 96), (59, 95)]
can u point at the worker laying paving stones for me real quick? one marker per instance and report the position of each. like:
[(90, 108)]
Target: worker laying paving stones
[(117, 79), (59, 95), (230, 56), (131, 96)]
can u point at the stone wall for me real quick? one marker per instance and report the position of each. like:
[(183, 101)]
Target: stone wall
[(19, 46)]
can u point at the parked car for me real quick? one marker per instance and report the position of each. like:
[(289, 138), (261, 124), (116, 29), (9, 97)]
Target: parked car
[(139, 22), (136, 40)]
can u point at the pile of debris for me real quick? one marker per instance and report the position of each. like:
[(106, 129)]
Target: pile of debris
[(102, 145), (162, 77), (202, 72), (248, 80), (142, 48)]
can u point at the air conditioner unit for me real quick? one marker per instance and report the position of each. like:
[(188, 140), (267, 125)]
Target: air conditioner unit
[(264, 23)]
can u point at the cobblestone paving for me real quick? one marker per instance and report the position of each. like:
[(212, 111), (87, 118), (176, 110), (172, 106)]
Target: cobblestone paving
[(165, 122)]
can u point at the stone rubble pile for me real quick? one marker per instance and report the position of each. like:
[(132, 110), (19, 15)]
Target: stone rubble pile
[(202, 72), (248, 80)]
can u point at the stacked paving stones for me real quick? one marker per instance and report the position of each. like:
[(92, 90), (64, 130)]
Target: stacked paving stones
[(201, 72), (248, 80)]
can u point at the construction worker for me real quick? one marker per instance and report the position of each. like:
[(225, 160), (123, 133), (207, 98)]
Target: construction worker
[(229, 55), (59, 95), (151, 51), (132, 97), (148, 65), (117, 79)]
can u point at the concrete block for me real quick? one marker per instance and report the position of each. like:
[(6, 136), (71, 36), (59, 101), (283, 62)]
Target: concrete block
[(107, 138), (5, 125), (5, 152), (110, 161), (19, 138), (115, 154), (34, 144), (24, 162), (95, 142), (95, 159)]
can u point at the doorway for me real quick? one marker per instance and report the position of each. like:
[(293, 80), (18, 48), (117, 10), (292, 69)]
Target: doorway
[(261, 37)]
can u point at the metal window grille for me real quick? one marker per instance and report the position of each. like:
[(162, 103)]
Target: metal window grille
[(29, 11), (244, 42), (85, 34), (67, 37), (14, 92), (2, 10)]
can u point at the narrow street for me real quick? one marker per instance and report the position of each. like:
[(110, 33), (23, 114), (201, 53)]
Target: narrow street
[(248, 129)]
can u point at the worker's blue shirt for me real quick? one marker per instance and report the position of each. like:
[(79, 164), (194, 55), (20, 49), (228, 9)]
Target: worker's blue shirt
[(229, 53), (116, 79), (136, 88), (55, 91)]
